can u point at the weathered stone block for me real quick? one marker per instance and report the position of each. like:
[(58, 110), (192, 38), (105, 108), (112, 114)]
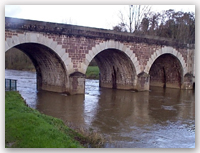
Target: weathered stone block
[(16, 40), (102, 46), (129, 52), (65, 57), (142, 82), (27, 37), (188, 81), (6, 46), (21, 38), (88, 57), (77, 83), (53, 45), (91, 53), (95, 51), (48, 41)]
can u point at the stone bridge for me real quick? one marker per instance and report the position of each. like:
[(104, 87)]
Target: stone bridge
[(61, 54)]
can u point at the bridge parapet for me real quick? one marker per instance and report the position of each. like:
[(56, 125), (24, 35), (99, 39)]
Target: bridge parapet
[(87, 32)]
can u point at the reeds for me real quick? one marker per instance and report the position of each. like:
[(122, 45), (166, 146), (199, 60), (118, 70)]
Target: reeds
[(93, 138)]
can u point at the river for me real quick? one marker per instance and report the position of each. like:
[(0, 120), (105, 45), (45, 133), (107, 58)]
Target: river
[(160, 118)]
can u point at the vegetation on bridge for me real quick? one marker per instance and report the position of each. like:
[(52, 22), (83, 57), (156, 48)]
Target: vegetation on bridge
[(27, 128)]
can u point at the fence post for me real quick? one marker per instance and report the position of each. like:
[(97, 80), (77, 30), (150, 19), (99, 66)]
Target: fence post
[(10, 84)]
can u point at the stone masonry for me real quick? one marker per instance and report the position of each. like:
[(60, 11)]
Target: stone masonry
[(61, 54)]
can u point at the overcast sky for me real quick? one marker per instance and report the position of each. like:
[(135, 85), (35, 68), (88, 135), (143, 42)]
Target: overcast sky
[(100, 16)]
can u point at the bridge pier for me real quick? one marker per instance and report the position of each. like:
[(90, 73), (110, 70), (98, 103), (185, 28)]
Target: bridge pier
[(143, 82), (77, 83), (187, 81)]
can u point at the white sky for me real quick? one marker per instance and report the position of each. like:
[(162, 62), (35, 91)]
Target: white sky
[(99, 16)]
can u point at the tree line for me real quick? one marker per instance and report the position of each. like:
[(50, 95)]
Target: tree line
[(17, 60), (176, 25)]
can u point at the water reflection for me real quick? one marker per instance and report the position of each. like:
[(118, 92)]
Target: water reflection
[(146, 119), (67, 108), (161, 118)]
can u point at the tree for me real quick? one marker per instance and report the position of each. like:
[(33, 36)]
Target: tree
[(16, 59), (179, 26), (132, 21), (154, 22), (144, 25), (120, 27)]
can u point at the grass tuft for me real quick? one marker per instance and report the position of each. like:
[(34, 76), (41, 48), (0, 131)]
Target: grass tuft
[(93, 139)]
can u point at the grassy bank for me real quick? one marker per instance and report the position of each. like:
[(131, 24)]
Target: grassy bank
[(92, 72), (28, 128)]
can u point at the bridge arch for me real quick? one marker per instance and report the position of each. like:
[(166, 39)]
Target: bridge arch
[(166, 68), (162, 51), (48, 57), (117, 63), (31, 37), (106, 45)]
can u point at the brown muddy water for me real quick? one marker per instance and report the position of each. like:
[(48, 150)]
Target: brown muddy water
[(160, 118)]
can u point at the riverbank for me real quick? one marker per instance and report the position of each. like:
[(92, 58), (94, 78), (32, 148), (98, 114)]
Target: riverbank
[(92, 72), (28, 128)]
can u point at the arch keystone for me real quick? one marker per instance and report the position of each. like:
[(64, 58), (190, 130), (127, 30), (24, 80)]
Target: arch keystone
[(21, 38), (111, 44), (102, 46), (121, 46), (33, 37)]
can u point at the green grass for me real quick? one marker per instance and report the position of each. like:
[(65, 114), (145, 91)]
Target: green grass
[(27, 128), (92, 72)]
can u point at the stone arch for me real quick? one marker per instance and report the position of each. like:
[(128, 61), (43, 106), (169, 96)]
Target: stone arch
[(162, 51), (117, 63), (166, 72), (110, 44), (49, 59), (31, 37)]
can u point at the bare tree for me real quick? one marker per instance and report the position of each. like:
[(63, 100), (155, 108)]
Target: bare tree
[(133, 20)]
